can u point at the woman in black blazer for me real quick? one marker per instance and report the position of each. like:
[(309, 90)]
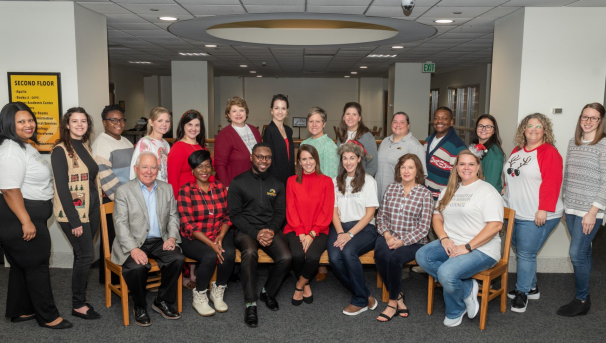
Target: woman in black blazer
[(279, 138)]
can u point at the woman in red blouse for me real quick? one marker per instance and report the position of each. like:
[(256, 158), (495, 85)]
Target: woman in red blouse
[(205, 233), (191, 136), (309, 208), (402, 224)]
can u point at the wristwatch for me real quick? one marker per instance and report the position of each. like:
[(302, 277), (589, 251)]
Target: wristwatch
[(468, 247), (350, 234), (312, 234)]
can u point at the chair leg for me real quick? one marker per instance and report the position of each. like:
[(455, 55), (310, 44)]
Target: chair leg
[(180, 294), (484, 306), (504, 295), (385, 294), (108, 292), (379, 280), (124, 299), (430, 289)]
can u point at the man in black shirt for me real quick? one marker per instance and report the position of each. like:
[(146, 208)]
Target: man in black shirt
[(257, 209)]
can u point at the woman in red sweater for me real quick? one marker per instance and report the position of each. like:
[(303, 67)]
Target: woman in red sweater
[(234, 143), (310, 199), (191, 136)]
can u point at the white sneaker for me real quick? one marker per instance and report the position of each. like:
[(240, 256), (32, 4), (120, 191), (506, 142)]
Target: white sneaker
[(454, 322), (471, 302), (216, 296), (201, 305), (419, 270)]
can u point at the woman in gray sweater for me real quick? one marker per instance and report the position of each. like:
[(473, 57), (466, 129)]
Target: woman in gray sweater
[(584, 191), (352, 128)]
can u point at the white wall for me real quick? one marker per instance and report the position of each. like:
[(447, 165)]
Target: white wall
[(129, 88), (151, 89), (546, 58), (190, 89), (303, 93), (166, 92), (76, 42), (411, 95)]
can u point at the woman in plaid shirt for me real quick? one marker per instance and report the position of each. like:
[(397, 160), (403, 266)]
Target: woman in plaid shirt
[(402, 224), (205, 233)]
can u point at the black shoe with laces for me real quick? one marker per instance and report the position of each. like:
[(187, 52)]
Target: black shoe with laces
[(534, 294), (250, 316), (271, 303), (519, 302), (165, 310), (141, 316)]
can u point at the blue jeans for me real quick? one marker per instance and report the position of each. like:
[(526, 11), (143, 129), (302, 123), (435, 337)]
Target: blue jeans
[(453, 273), (527, 240), (346, 263), (580, 253)]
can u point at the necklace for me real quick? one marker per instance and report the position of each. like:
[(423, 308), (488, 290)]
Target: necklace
[(210, 210)]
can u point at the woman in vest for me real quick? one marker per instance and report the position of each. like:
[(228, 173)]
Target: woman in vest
[(77, 199)]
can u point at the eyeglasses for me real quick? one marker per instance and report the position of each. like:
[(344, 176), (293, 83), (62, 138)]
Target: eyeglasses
[(485, 127), (530, 126), (590, 119), (263, 158), (116, 120)]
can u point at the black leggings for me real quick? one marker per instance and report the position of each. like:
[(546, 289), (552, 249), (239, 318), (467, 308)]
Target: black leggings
[(29, 286), (303, 264), (207, 260)]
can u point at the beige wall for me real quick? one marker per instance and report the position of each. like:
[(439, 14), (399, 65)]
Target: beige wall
[(129, 88)]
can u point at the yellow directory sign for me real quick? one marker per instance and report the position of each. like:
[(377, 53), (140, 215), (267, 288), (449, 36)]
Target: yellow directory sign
[(42, 93)]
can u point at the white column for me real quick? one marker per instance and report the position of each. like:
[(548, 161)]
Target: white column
[(61, 37), (192, 82), (409, 90), (546, 58), (151, 88)]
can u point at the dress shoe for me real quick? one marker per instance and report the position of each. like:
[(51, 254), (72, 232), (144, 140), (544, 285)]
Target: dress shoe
[(271, 303), (297, 302), (309, 299), (23, 319), (141, 316), (250, 316), (166, 311), (63, 325), (90, 314), (575, 308)]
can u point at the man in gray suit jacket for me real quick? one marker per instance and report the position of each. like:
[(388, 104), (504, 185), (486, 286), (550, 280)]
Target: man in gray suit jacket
[(147, 225)]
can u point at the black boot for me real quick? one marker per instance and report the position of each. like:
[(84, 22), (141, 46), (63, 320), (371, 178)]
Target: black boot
[(575, 308)]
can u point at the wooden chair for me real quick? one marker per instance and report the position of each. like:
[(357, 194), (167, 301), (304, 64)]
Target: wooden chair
[(110, 267), (374, 128), (220, 127), (264, 127), (485, 277)]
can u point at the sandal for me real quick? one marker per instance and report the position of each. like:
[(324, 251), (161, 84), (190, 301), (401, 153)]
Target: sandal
[(386, 316), (295, 301), (309, 299), (404, 313)]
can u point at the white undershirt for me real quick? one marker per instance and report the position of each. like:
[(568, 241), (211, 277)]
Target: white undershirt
[(435, 142)]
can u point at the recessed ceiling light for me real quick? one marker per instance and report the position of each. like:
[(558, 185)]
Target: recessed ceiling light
[(168, 18), (444, 21), (193, 54), (259, 75), (346, 76), (381, 56), (253, 72), (139, 62), (354, 72), (243, 66), (210, 45), (363, 67), (397, 47)]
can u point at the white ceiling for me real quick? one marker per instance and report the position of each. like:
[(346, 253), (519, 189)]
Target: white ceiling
[(136, 34)]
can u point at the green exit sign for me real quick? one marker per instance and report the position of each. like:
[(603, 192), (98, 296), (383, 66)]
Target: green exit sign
[(429, 67)]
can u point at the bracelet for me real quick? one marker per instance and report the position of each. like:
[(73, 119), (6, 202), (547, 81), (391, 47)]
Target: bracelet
[(443, 238), (341, 233)]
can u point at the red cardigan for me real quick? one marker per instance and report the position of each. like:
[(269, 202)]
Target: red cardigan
[(232, 157), (309, 204)]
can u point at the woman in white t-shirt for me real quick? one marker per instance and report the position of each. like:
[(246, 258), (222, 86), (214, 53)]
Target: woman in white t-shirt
[(26, 183), (467, 220), (158, 125), (353, 232)]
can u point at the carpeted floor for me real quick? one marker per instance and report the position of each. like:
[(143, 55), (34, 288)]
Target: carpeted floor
[(323, 321)]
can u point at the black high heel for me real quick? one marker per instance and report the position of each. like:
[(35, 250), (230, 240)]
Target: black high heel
[(310, 299), (386, 316), (295, 301), (405, 311)]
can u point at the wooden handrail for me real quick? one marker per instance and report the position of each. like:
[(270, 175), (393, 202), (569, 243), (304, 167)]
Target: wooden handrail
[(296, 141)]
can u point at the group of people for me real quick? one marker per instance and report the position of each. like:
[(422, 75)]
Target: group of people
[(440, 203)]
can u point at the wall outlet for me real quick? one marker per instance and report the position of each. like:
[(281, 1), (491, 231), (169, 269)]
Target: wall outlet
[(556, 110)]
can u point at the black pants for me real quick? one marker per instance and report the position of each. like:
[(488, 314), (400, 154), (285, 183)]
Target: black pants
[(207, 260), (390, 263), (278, 251), (29, 286), (83, 251), (303, 264), (170, 263)]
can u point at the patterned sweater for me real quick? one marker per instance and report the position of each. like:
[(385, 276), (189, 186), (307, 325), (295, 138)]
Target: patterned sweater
[(440, 160), (585, 178), (113, 157)]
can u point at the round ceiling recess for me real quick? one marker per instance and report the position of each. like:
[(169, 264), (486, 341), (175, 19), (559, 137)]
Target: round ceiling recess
[(301, 30)]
